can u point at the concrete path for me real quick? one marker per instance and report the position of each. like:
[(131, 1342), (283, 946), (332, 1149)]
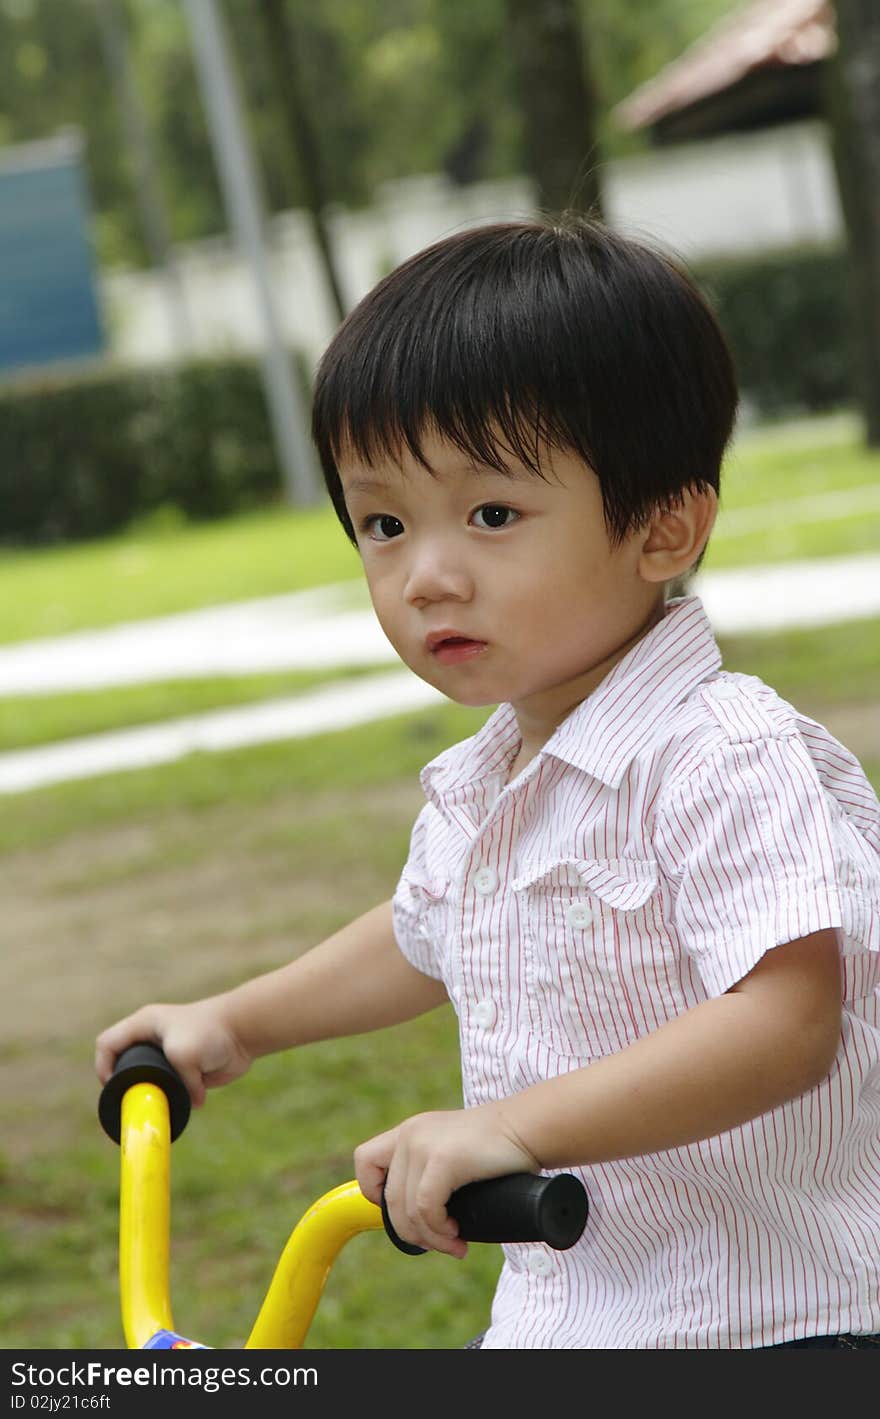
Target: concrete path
[(334, 626), (791, 594), (313, 630), (337, 706), (323, 629)]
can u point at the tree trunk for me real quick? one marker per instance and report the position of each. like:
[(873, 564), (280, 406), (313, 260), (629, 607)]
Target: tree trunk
[(558, 103), (281, 47), (145, 173), (855, 127)]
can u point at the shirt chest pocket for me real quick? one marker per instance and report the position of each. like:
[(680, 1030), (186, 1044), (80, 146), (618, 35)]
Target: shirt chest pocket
[(421, 909), (598, 966)]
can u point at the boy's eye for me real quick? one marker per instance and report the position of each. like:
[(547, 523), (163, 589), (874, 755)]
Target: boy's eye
[(494, 515), (383, 527)]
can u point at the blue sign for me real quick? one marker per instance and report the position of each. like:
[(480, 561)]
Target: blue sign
[(48, 298)]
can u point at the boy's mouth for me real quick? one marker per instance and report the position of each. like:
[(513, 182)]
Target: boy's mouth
[(448, 647)]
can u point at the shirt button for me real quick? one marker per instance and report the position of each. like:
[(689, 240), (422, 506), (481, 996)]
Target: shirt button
[(725, 690), (539, 1263), (485, 881), (484, 1014), (579, 914)]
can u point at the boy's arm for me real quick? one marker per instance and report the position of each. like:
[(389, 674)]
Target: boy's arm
[(356, 980), (771, 1037)]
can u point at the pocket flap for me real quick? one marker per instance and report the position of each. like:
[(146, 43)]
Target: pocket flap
[(623, 882), (422, 886)]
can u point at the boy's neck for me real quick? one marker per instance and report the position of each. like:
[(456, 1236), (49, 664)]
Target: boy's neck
[(540, 717)]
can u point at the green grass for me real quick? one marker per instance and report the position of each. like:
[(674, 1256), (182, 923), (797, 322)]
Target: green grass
[(173, 568), (785, 495), (849, 657), (264, 1149), (371, 754), (160, 569), (155, 571), (30, 720), (823, 664), (260, 1153), (781, 462), (243, 1173)]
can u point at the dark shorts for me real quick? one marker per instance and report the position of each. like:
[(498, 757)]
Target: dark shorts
[(832, 1342), (816, 1342)]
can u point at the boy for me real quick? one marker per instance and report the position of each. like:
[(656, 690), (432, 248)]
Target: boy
[(650, 889)]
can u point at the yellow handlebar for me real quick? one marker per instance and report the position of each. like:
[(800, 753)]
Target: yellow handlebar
[(144, 1232), (305, 1263), (144, 1214)]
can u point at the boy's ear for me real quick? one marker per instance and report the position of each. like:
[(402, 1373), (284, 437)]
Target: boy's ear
[(674, 539)]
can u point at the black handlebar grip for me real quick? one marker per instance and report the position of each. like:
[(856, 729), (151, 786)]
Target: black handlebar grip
[(143, 1064), (521, 1207)]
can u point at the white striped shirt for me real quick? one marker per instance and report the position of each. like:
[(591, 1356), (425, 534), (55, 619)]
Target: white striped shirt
[(680, 823)]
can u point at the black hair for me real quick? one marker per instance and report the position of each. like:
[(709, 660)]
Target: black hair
[(518, 335)]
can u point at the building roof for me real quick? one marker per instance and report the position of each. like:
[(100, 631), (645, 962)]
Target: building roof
[(762, 35)]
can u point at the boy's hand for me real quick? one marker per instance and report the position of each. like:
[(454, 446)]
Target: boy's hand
[(423, 1161), (196, 1039)]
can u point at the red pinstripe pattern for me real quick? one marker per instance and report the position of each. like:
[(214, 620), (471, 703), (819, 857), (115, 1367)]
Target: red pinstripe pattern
[(694, 821)]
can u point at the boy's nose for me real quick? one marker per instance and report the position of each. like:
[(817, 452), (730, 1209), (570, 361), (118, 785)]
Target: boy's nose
[(434, 575)]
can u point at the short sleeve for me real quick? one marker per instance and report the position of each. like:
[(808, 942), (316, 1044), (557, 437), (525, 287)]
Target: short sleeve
[(411, 905), (755, 852)]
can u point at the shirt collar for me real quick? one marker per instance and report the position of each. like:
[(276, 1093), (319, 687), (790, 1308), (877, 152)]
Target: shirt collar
[(458, 773), (603, 734)]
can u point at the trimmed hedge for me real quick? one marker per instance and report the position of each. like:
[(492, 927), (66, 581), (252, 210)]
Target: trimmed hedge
[(85, 456), (786, 318)]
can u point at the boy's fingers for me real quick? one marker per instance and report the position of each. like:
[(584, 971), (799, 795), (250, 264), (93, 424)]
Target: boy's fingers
[(103, 1063), (372, 1161), (114, 1042), (188, 1064), (195, 1086), (371, 1180), (111, 1043), (426, 1204)]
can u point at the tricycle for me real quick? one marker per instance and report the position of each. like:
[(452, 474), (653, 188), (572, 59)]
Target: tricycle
[(144, 1106)]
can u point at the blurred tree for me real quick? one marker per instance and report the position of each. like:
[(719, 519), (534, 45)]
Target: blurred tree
[(49, 81), (282, 49), (631, 42), (394, 88), (855, 116), (140, 151), (166, 78), (558, 100), (328, 92)]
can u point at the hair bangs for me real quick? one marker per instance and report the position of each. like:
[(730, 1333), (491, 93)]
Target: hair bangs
[(514, 339), (465, 371)]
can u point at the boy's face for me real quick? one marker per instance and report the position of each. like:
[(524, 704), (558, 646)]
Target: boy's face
[(496, 588)]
